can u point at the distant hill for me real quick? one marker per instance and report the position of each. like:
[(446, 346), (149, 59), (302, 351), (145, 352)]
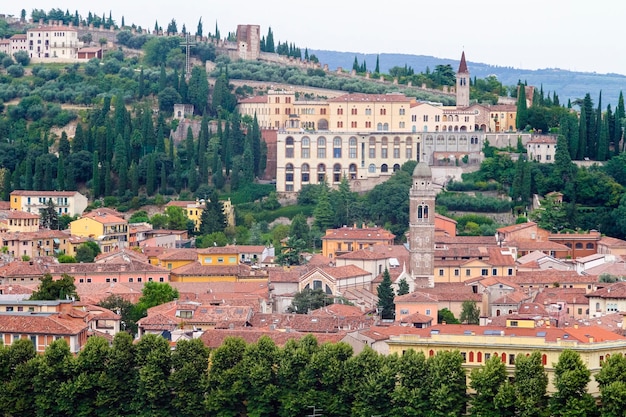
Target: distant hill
[(567, 84)]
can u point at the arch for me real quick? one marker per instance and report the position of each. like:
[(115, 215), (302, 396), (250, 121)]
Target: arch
[(289, 173), (337, 173), (443, 128), (396, 167), (463, 129), (497, 312), (579, 245), (371, 168), (589, 246), (379, 126), (352, 171), (544, 359), (305, 172), (305, 142), (431, 353), (322, 124), (386, 127), (289, 141), (321, 147), (321, 173), (471, 356), (352, 141), (384, 168), (503, 357), (479, 357), (336, 147)]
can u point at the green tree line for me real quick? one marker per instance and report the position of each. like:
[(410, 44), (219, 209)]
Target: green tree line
[(148, 378)]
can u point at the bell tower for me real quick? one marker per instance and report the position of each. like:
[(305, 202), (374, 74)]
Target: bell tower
[(422, 226), (462, 84)]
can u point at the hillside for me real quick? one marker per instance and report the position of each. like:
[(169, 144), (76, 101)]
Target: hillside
[(567, 84)]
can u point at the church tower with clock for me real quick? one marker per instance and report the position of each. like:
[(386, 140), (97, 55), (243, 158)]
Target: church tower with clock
[(422, 226)]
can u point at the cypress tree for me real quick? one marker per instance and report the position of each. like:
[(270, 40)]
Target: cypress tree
[(603, 141), (256, 145), (64, 145), (582, 134), (385, 297), (522, 109), (95, 175), (620, 115), (151, 175), (108, 180), (141, 89), (78, 143), (61, 173), (377, 69), (133, 175)]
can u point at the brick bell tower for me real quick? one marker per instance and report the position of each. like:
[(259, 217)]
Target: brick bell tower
[(422, 226), (462, 84)]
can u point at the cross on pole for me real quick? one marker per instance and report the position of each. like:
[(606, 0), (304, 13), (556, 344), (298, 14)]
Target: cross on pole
[(187, 44)]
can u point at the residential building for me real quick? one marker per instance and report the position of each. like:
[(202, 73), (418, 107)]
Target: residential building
[(71, 203), (193, 210), (127, 271), (479, 343), (336, 242), (541, 149), (580, 244), (20, 221), (54, 43), (417, 302), (18, 43), (607, 300), (109, 231), (335, 280)]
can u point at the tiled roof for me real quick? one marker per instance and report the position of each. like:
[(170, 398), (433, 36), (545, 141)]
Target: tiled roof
[(30, 193), (197, 269), (380, 333), (103, 217), (416, 318), (121, 256), (611, 268), (309, 323), (554, 295), (582, 335), (280, 275), (452, 241), (56, 324), (612, 242), (254, 99), (549, 277), (343, 272), (164, 316), (364, 254), (612, 291), (18, 214), (338, 310), (534, 245), (179, 255), (93, 268), (416, 297), (259, 287), (217, 250), (355, 233), (542, 139), (512, 298)]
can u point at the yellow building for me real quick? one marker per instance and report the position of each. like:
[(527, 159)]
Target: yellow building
[(502, 118), (349, 239), (193, 210), (478, 343), (109, 231), (370, 112)]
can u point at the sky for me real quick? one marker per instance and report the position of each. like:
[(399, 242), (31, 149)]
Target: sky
[(575, 35)]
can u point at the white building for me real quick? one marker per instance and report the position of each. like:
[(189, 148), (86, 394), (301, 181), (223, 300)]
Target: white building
[(53, 44)]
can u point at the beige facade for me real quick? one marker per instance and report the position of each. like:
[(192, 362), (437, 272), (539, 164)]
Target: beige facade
[(53, 44), (67, 202), (541, 149), (429, 117), (370, 113)]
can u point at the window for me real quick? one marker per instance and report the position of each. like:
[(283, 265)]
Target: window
[(305, 147), (321, 173), (9, 309), (368, 125), (511, 359), (353, 111), (383, 150), (368, 112), (353, 124), (289, 173), (467, 272), (484, 272), (510, 272), (352, 144), (404, 311), (580, 311), (402, 112), (396, 148), (337, 173), (339, 124), (372, 148), (340, 111), (305, 172), (437, 118), (428, 311), (352, 170), (409, 148), (337, 147), (494, 271), (321, 147), (383, 112), (289, 147), (384, 168), (371, 168), (220, 260)]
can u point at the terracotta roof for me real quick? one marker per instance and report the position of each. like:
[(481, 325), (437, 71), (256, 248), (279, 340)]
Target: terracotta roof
[(343, 272), (104, 218), (612, 268), (90, 49), (179, 255), (549, 277), (56, 324), (364, 254), (197, 269), (226, 250), (466, 240), (44, 193), (569, 295), (542, 139), (516, 227), (534, 245), (18, 214), (364, 234), (259, 287), (515, 297), (463, 65), (582, 335), (612, 291), (309, 323), (612, 242), (284, 276), (416, 318), (338, 310), (380, 333), (93, 268), (416, 297)]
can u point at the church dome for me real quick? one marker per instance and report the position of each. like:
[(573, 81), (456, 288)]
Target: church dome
[(422, 170)]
